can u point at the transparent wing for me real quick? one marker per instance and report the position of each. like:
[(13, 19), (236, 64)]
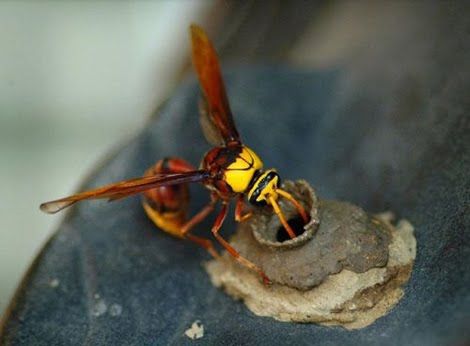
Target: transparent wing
[(216, 114), (125, 188), (210, 131)]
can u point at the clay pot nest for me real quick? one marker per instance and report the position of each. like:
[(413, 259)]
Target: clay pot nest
[(345, 267)]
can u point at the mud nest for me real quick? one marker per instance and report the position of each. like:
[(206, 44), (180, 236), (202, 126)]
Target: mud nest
[(345, 267)]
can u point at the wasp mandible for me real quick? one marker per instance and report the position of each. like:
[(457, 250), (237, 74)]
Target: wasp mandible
[(229, 170)]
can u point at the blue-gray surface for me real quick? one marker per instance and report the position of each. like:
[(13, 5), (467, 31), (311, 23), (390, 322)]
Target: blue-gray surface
[(401, 147)]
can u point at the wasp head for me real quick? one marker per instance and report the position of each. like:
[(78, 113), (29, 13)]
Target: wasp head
[(264, 188)]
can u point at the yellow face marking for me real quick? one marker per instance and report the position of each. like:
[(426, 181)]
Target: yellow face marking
[(239, 173), (269, 189)]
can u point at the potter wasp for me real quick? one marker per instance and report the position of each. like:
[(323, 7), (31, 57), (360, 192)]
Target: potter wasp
[(229, 170)]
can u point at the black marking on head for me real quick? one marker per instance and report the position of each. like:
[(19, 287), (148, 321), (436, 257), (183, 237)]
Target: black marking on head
[(260, 186), (254, 178)]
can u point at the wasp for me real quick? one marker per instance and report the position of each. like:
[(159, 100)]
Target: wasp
[(229, 170)]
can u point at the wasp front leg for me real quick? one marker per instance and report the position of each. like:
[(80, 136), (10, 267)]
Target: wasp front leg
[(236, 255), (199, 217)]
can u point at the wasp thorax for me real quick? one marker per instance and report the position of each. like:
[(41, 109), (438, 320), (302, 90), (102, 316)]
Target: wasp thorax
[(264, 186), (242, 168)]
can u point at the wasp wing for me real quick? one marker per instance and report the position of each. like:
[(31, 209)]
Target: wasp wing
[(215, 115), (125, 188), (210, 131)]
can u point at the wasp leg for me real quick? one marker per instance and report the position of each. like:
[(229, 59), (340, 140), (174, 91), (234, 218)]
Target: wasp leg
[(205, 243), (243, 261), (281, 217), (296, 204), (239, 210)]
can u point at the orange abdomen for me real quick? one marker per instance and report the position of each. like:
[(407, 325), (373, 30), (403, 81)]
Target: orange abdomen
[(167, 206)]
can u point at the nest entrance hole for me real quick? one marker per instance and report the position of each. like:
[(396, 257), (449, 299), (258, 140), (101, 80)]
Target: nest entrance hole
[(296, 223)]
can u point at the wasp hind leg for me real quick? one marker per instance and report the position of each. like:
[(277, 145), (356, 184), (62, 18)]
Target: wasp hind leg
[(201, 215)]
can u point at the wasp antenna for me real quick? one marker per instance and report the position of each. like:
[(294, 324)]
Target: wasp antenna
[(296, 203), (279, 213)]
